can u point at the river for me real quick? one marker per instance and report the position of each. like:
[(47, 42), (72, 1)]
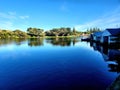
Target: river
[(56, 64)]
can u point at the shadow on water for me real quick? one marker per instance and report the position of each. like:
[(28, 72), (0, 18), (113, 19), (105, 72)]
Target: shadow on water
[(111, 55)]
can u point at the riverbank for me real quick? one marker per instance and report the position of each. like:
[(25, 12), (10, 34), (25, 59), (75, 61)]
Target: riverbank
[(72, 36)]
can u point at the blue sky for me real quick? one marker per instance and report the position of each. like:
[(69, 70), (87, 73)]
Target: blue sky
[(48, 14)]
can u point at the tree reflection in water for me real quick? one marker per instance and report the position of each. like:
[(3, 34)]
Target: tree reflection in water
[(40, 41), (10, 41), (35, 42), (62, 41)]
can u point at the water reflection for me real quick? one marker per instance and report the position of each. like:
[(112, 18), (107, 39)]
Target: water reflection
[(111, 54), (11, 41), (40, 41), (59, 41), (38, 68), (35, 42), (62, 41)]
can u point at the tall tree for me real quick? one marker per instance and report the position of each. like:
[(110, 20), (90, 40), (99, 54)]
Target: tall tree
[(74, 31)]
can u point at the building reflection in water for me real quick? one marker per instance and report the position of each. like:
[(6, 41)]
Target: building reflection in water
[(111, 54)]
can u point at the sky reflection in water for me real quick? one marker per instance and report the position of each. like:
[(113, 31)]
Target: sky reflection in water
[(56, 64)]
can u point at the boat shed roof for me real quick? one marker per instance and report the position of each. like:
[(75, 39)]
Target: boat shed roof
[(97, 33), (114, 31)]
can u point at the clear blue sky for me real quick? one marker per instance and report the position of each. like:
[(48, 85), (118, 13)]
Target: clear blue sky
[(48, 14)]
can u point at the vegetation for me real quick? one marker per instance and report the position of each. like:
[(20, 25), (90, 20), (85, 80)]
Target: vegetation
[(92, 30), (38, 33), (19, 34), (62, 32), (35, 32), (12, 34)]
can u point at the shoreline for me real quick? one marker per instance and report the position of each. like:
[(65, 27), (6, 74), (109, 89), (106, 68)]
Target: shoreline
[(41, 37)]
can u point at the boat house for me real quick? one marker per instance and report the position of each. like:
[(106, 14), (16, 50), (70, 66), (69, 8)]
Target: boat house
[(96, 36), (110, 36)]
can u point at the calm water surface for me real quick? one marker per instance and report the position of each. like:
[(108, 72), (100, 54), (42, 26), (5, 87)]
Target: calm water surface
[(55, 64)]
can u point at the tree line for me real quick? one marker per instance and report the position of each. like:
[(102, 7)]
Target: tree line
[(92, 30), (37, 32), (12, 34)]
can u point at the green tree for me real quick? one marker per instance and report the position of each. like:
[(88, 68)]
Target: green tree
[(74, 31), (35, 32), (19, 34)]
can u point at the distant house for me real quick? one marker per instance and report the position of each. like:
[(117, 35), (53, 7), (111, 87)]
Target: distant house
[(96, 36), (110, 36)]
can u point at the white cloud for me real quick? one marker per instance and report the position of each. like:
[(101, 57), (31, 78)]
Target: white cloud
[(24, 17), (8, 15), (6, 25), (109, 20), (12, 15), (12, 21)]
